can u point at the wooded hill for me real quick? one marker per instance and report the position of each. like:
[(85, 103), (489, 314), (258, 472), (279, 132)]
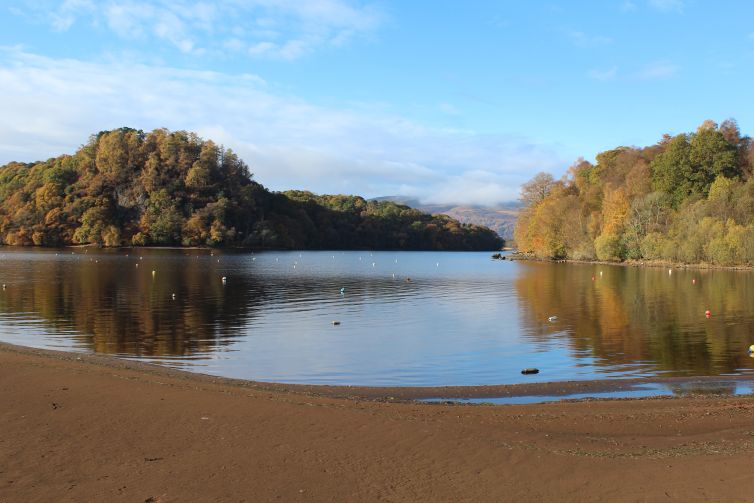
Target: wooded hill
[(127, 187), (689, 198)]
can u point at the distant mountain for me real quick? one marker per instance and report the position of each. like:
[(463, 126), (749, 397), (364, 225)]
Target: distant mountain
[(500, 218)]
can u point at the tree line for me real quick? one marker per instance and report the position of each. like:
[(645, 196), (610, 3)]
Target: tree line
[(126, 187), (689, 198)]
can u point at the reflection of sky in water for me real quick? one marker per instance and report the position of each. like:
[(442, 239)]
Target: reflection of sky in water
[(644, 390), (461, 319)]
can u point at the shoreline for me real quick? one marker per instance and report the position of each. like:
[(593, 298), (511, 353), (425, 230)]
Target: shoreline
[(515, 257), (79, 427), (414, 394)]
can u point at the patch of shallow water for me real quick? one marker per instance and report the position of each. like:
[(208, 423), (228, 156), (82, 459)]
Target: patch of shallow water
[(643, 390)]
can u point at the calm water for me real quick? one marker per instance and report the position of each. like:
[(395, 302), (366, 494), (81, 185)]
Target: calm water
[(462, 318)]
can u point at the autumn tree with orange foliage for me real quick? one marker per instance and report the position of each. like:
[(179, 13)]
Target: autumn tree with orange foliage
[(689, 198)]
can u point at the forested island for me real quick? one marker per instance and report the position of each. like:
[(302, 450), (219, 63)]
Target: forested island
[(126, 187), (687, 199)]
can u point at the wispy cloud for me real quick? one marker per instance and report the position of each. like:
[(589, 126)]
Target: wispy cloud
[(51, 106), (603, 75), (658, 70), (283, 29), (667, 5), (64, 16), (628, 6), (581, 39)]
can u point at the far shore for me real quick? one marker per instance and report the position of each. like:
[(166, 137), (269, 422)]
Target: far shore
[(525, 257), (229, 248), (81, 427)]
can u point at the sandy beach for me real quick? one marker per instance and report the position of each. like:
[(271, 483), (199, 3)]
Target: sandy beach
[(90, 428)]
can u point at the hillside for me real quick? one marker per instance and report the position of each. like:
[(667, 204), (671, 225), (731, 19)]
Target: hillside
[(689, 198), (500, 218), (126, 187)]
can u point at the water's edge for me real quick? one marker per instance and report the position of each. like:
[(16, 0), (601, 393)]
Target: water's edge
[(503, 394)]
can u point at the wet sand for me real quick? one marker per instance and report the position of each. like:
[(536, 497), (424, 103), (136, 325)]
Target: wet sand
[(91, 428)]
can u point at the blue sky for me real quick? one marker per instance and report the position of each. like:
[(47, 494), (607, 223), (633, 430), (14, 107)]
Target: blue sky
[(445, 101)]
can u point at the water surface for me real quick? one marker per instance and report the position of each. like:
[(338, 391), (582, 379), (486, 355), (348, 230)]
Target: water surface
[(406, 318)]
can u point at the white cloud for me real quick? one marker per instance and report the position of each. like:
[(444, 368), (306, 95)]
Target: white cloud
[(581, 39), (287, 29), (603, 75), (667, 5), (449, 109), (64, 17), (658, 70), (628, 6), (51, 106)]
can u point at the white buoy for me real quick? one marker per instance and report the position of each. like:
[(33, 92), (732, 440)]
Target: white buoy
[(670, 271), (173, 296), (373, 263), (552, 318), (224, 280), (153, 273)]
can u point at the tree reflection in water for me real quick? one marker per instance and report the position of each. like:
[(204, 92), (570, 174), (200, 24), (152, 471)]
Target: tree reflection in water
[(637, 315)]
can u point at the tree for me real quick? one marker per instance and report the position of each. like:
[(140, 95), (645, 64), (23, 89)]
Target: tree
[(711, 156), (536, 190), (672, 171)]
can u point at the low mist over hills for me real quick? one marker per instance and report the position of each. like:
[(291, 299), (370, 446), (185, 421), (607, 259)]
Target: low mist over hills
[(500, 218)]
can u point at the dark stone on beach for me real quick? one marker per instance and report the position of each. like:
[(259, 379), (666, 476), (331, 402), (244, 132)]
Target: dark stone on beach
[(530, 371)]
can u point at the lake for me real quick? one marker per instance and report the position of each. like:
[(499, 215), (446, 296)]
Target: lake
[(405, 318)]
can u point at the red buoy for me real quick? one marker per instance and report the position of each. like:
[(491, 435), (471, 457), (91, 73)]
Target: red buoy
[(707, 313)]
